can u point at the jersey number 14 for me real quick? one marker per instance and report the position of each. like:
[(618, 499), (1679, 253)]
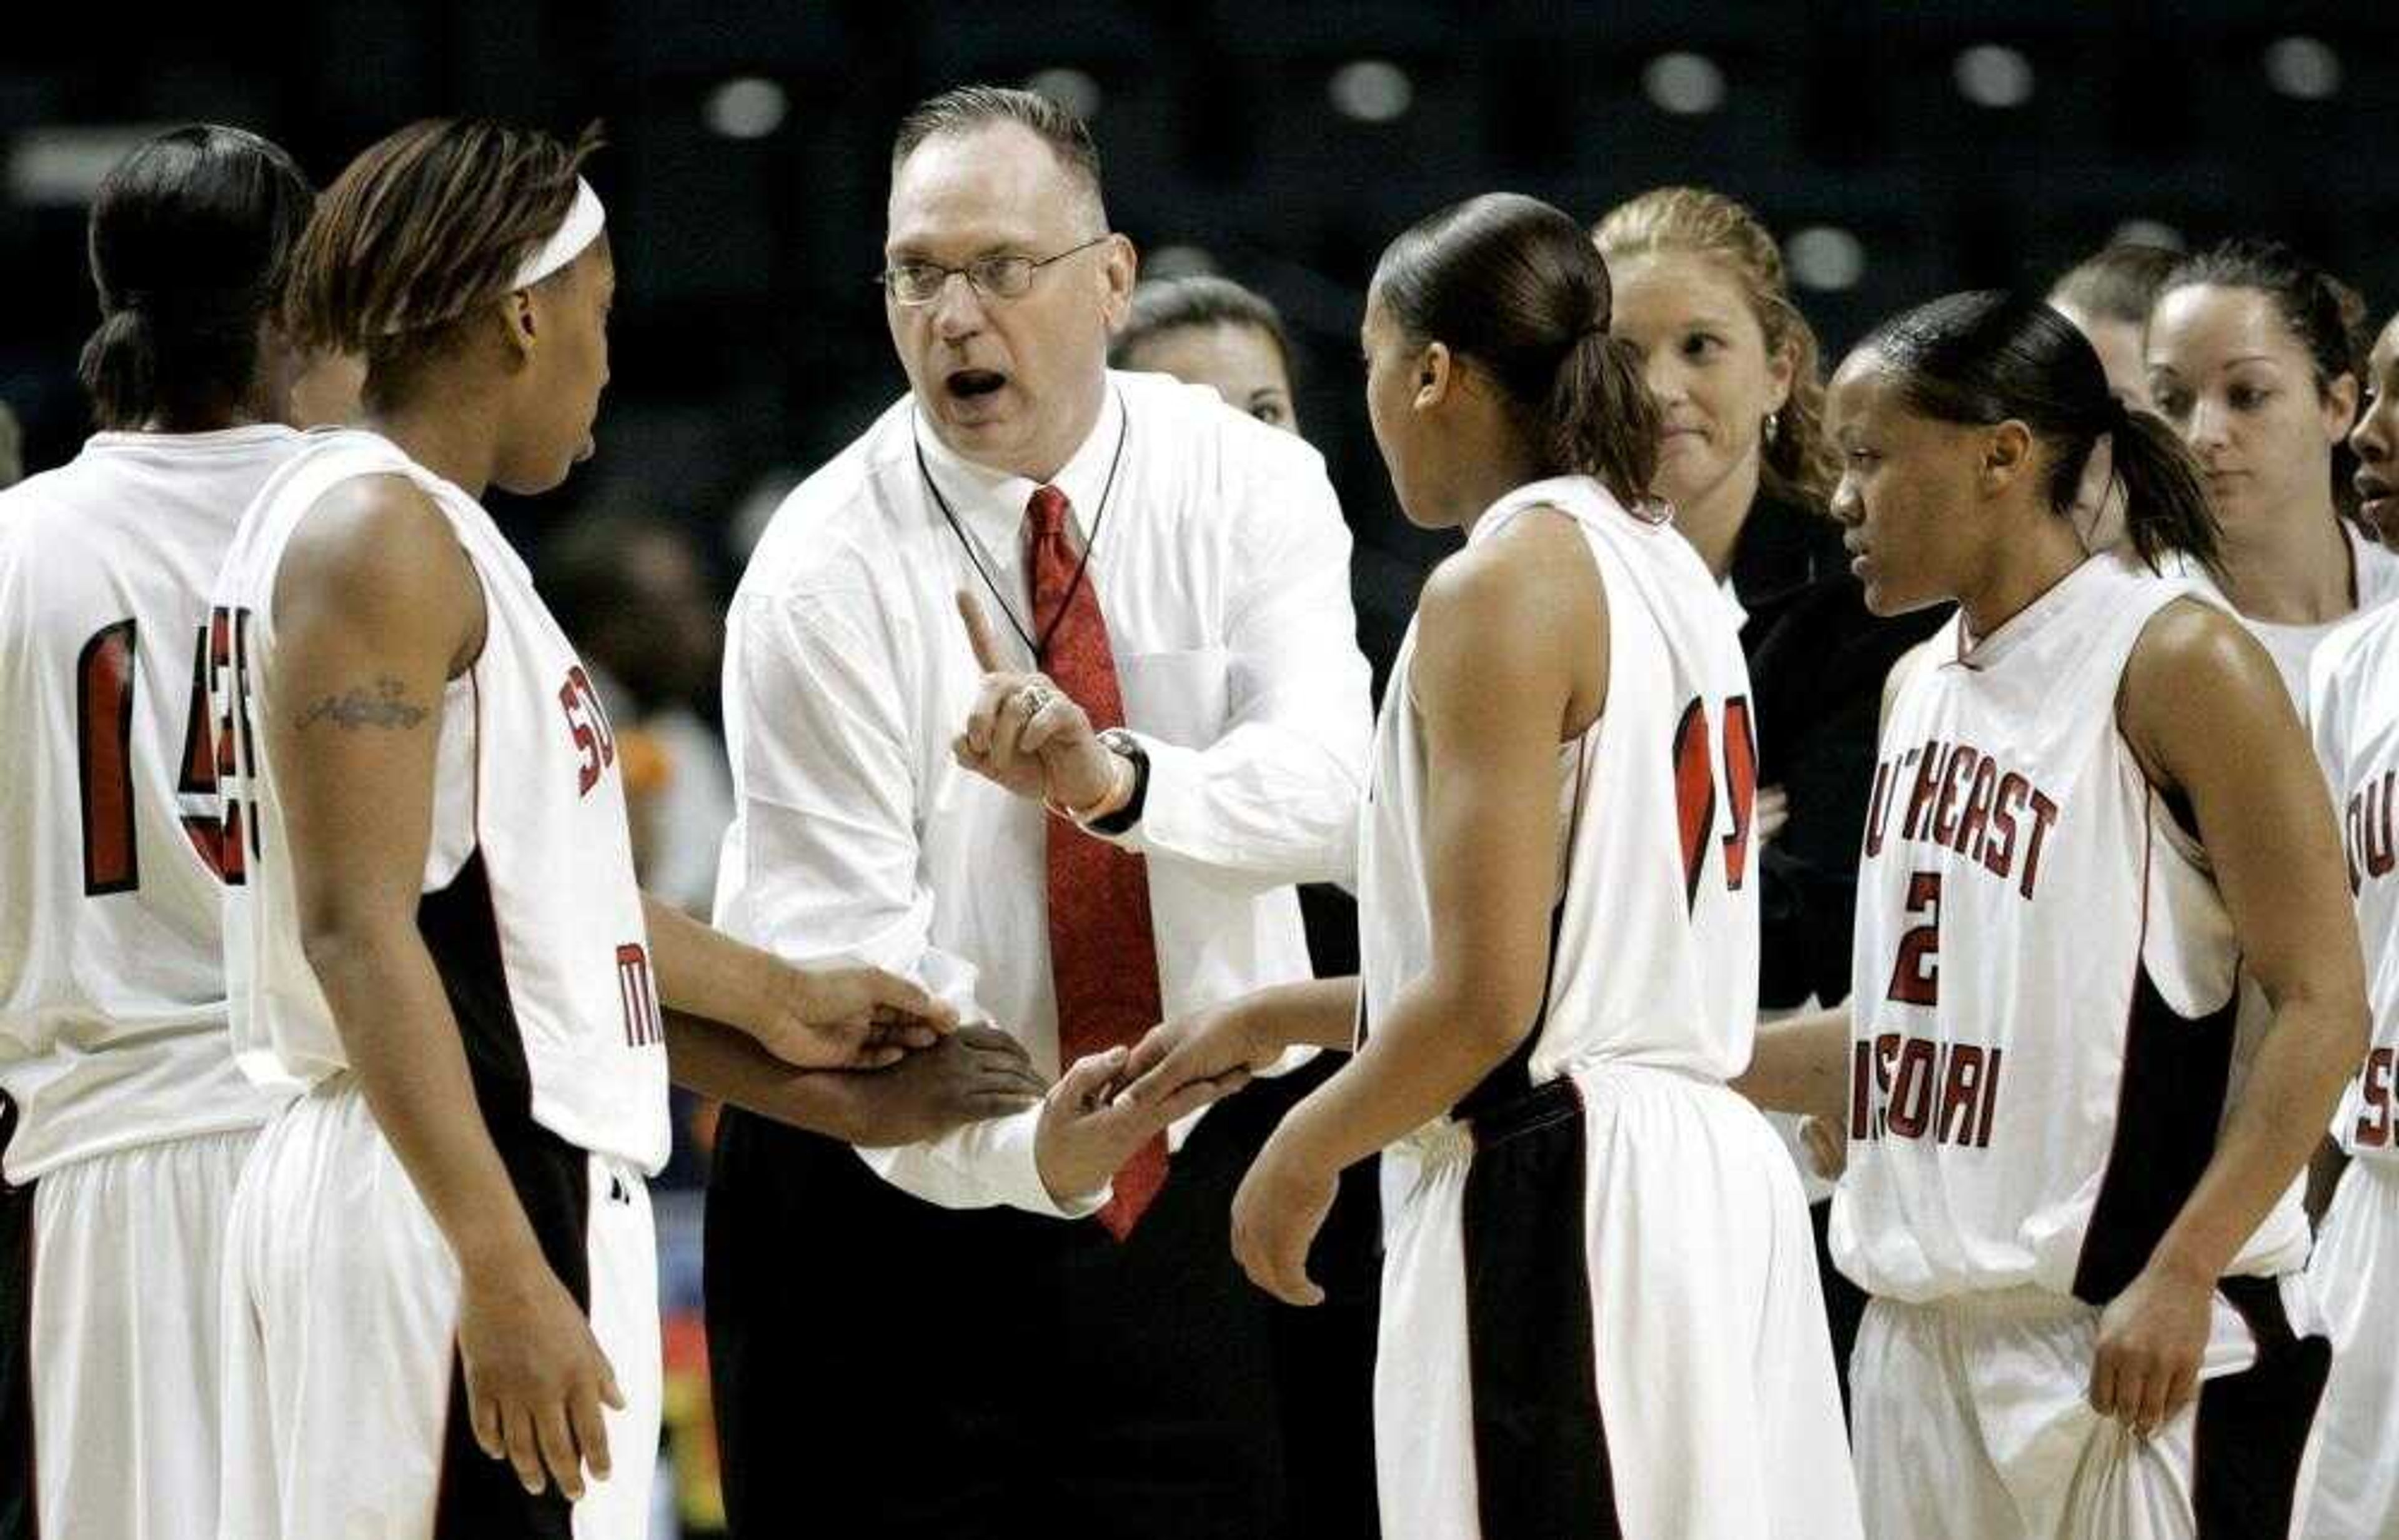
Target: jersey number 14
[(105, 685), (1694, 791)]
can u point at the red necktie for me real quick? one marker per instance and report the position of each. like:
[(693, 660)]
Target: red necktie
[(1102, 950)]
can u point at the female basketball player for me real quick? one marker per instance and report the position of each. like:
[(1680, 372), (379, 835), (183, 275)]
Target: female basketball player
[(129, 1120), (2355, 1268), (447, 1237), (2255, 357), (1560, 941), (1744, 459), (1210, 330), (2094, 816)]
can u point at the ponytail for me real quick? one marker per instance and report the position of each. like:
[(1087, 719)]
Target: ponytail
[(119, 368), (190, 237), (2166, 507), (1514, 285), (1601, 419)]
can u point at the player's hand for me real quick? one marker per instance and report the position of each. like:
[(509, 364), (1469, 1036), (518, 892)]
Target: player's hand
[(2152, 1339), (1087, 1134), (977, 1073), (843, 1017), (535, 1377), (1281, 1206), (1771, 811), (1027, 735), (1203, 1046)]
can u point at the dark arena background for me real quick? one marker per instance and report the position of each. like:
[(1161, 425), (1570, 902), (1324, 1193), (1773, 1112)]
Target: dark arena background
[(1897, 151)]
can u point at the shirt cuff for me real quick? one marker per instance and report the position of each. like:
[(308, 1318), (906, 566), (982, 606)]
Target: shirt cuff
[(1168, 803)]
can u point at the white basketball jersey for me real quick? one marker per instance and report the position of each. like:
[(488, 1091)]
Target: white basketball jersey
[(111, 977), (2047, 1002), (530, 907), (2353, 712), (1653, 958)]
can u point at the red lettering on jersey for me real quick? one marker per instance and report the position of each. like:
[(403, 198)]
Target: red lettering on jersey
[(1920, 799), (2044, 817), (2373, 1130), (1878, 809), (199, 776), (1920, 1088), (1740, 786), (643, 1025), (1978, 809), (2367, 835), (1695, 790), (104, 759), (1916, 972), (589, 724), (1695, 794), (1963, 801), (1962, 760)]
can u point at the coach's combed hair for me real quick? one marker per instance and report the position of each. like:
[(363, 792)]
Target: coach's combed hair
[(2327, 317), (1517, 288), (967, 108), (1202, 299), (422, 231), (2119, 282), (191, 238), (1988, 357), (1799, 463)]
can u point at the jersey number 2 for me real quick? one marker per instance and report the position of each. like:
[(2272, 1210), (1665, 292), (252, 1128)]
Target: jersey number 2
[(1695, 790), (1916, 974)]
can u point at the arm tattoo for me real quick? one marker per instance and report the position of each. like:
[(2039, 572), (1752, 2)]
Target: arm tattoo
[(386, 706)]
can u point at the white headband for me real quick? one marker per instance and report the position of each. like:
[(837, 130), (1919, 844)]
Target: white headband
[(580, 227)]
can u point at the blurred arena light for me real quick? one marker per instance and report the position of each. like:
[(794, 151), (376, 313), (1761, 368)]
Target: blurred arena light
[(59, 165), (2303, 67), (1990, 75), (1684, 83), (1176, 262), (1825, 256), (749, 107), (2148, 232), (1372, 90), (1072, 90)]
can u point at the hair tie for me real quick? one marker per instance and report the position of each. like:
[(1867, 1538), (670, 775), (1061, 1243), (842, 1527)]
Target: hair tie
[(2115, 417)]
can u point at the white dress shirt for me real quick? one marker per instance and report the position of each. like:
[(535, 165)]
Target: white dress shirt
[(1222, 569)]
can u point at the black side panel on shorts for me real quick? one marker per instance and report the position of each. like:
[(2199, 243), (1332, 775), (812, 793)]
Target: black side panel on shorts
[(18, 1518), (479, 1497), (1540, 1449), (2253, 1428), (2176, 1072)]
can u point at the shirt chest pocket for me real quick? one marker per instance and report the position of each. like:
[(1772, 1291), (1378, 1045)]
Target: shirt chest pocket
[(1179, 697)]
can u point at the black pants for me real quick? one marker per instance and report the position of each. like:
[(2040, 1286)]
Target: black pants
[(886, 1368)]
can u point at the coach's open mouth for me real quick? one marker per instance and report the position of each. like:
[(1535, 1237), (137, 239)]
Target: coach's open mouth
[(968, 384)]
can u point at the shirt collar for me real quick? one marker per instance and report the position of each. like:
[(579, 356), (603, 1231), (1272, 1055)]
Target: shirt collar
[(991, 503)]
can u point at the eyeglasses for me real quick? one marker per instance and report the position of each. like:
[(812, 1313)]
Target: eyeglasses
[(994, 277)]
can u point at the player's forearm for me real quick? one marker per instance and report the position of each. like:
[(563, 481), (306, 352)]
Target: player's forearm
[(705, 973), (404, 1047), (1436, 1047), (715, 1060), (1314, 1012), (1801, 1065), (2307, 1056)]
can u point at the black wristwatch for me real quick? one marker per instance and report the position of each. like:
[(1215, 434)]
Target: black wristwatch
[(1116, 741)]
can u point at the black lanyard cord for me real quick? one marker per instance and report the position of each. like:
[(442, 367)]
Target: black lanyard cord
[(1040, 649)]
